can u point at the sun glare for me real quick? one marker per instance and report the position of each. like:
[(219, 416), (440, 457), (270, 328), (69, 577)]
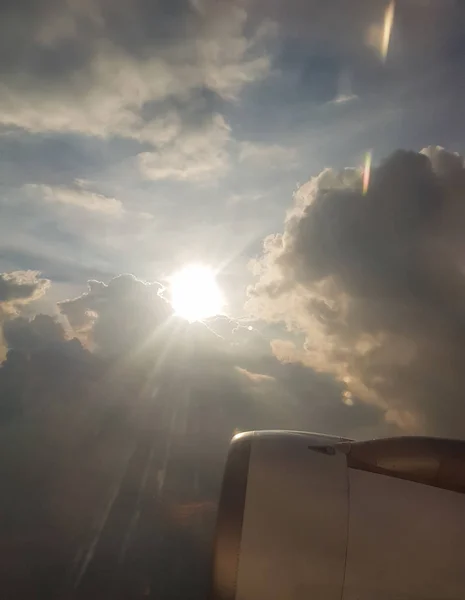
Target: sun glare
[(195, 294)]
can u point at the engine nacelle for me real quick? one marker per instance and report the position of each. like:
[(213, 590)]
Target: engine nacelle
[(304, 516)]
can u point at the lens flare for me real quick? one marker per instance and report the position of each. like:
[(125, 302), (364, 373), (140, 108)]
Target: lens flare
[(366, 172), (387, 28)]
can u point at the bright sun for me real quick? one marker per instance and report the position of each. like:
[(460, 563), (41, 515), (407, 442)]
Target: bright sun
[(195, 294)]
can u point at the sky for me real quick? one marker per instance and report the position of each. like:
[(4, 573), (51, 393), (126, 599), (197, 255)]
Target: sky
[(138, 137)]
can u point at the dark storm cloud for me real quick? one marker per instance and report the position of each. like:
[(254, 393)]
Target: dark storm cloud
[(375, 281)]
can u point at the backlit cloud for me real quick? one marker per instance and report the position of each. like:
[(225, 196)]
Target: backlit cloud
[(17, 290), (20, 287), (118, 316), (375, 283)]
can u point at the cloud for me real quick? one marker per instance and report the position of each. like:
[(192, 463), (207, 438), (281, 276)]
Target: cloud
[(83, 420), (422, 26), (375, 283), (21, 287), (79, 198), (344, 98), (267, 155), (287, 351), (42, 372), (244, 198), (17, 290), (137, 344), (103, 101), (202, 154), (121, 315), (195, 156), (33, 334), (128, 321), (256, 378), (110, 69)]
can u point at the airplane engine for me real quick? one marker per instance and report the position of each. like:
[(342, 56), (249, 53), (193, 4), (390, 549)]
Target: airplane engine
[(307, 516)]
